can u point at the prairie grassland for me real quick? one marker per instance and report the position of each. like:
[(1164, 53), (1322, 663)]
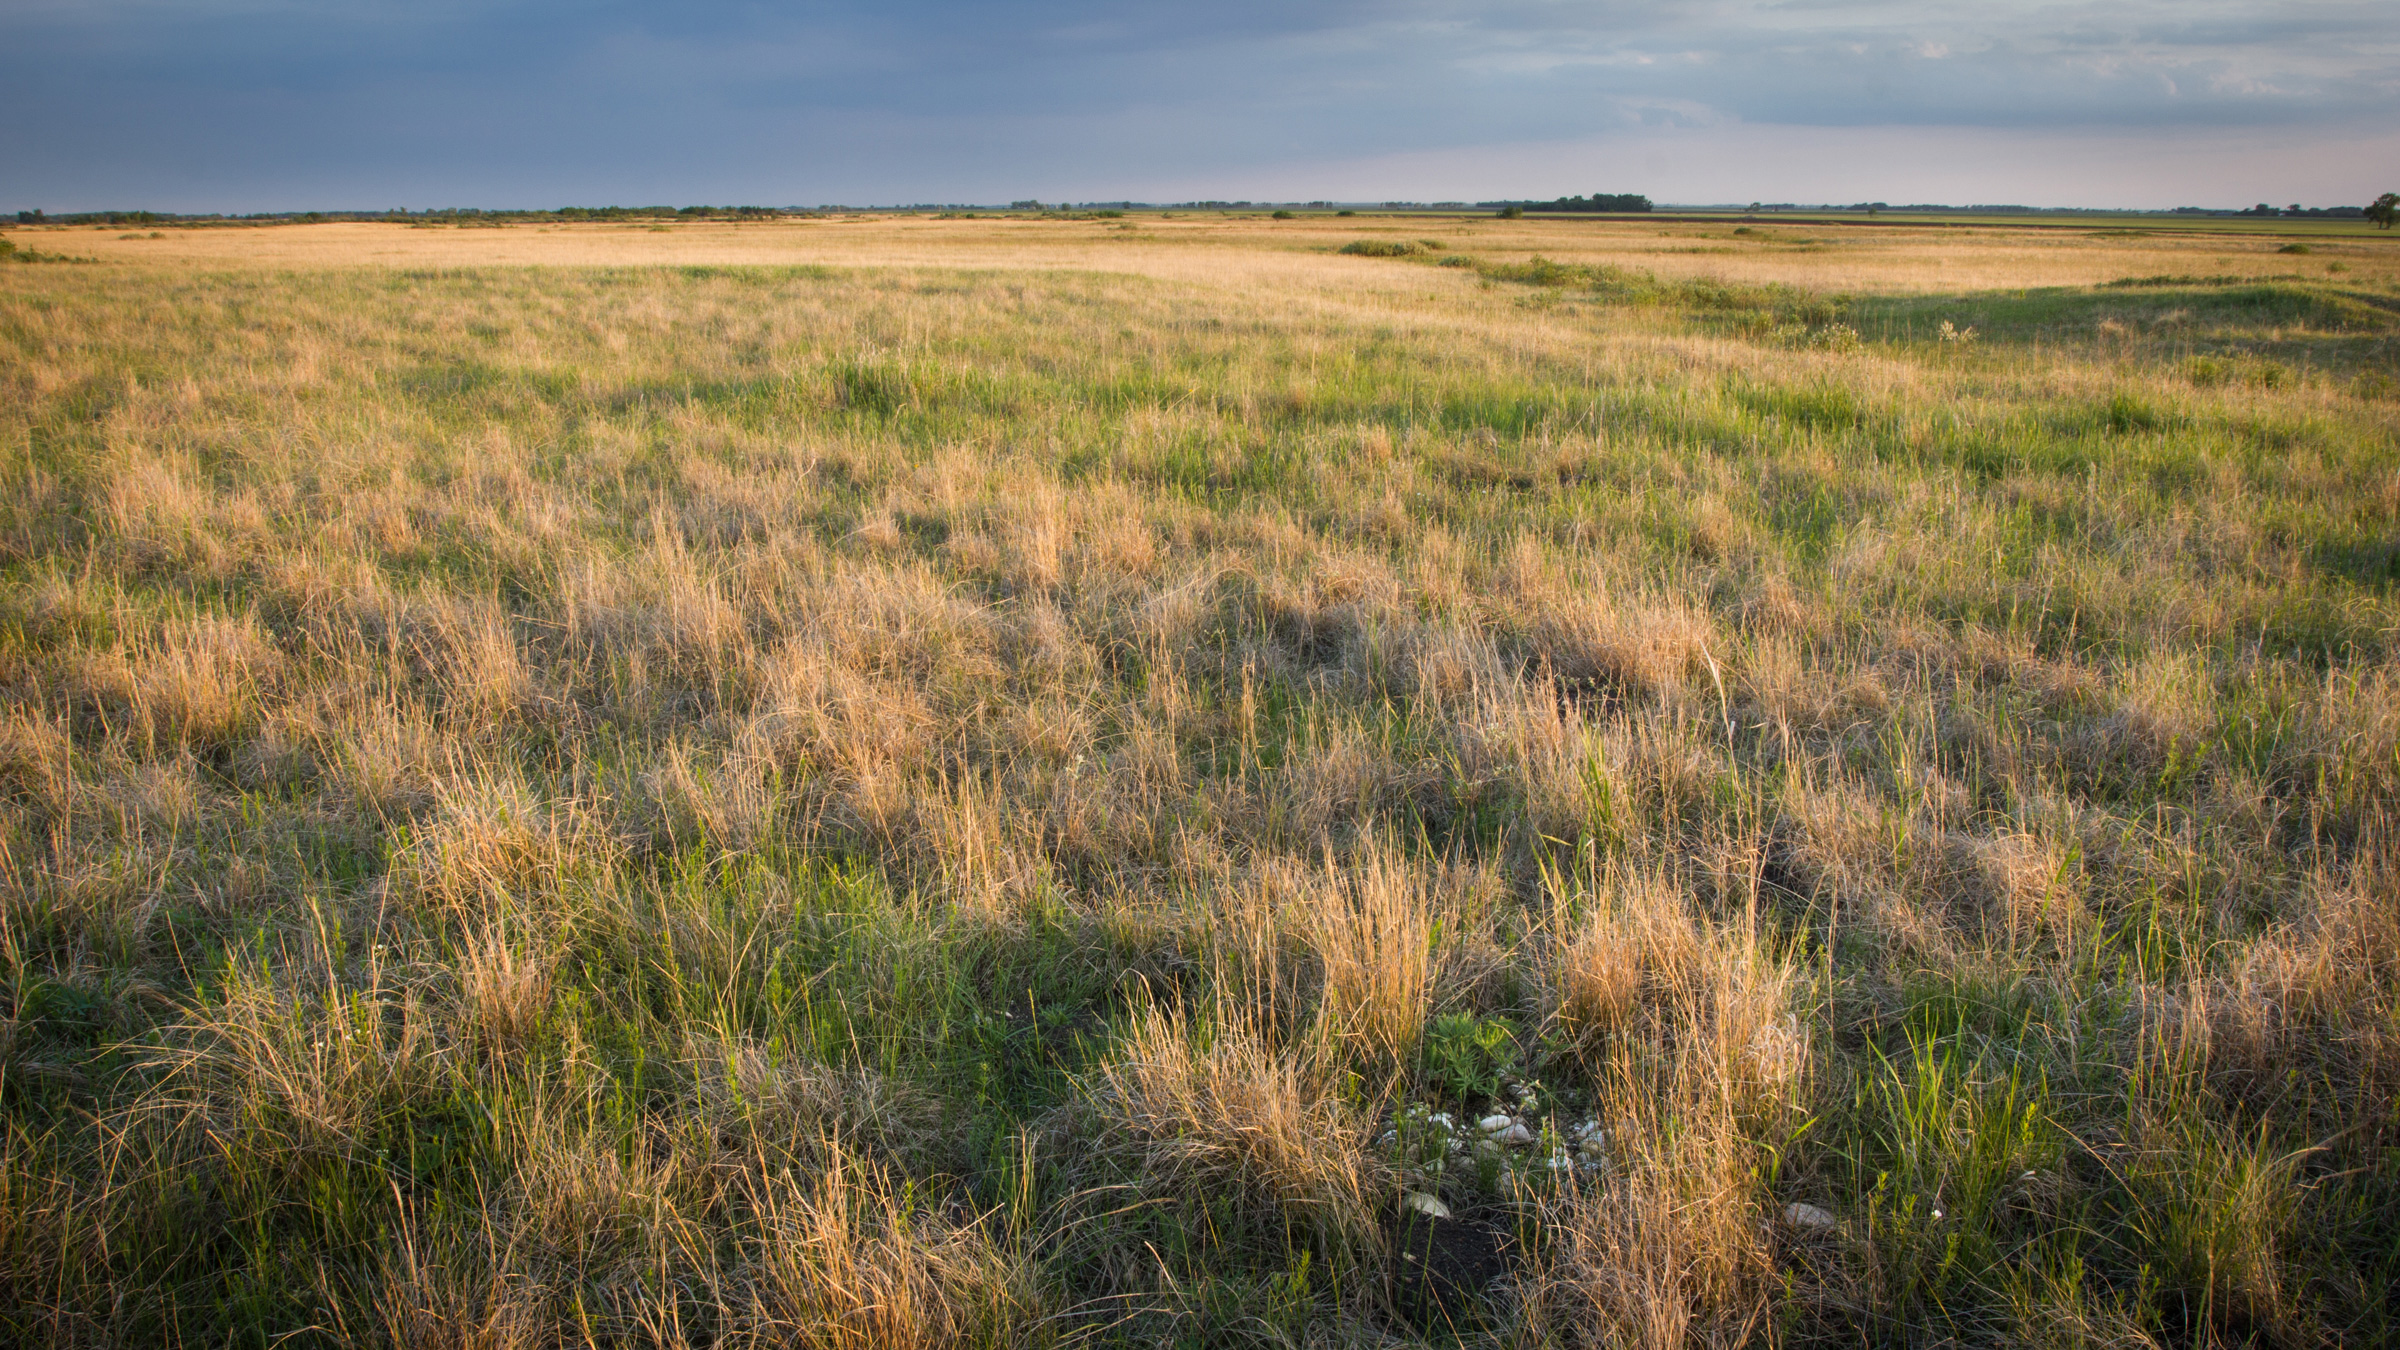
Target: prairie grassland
[(963, 783), (1213, 247)]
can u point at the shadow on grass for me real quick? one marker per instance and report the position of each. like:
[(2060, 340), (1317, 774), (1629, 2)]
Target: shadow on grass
[(2288, 317)]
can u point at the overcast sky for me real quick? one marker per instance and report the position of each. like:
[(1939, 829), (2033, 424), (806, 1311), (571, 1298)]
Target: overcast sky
[(246, 105)]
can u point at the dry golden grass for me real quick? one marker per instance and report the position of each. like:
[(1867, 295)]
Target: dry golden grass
[(1699, 1057), (919, 782), (1237, 248), (843, 1263), (1373, 932), (1218, 1110)]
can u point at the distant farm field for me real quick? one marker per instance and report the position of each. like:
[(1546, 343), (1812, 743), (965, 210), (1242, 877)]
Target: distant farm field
[(900, 781)]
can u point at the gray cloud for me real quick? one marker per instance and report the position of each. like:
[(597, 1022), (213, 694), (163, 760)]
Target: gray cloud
[(278, 103)]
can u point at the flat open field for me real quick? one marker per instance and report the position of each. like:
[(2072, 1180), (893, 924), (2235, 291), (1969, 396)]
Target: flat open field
[(902, 781)]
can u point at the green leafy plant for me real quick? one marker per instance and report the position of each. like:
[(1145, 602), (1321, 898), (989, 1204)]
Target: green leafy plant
[(1465, 1056)]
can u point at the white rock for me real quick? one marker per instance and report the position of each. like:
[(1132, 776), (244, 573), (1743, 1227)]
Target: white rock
[(1424, 1204), (1800, 1215), (1515, 1134), (1494, 1124)]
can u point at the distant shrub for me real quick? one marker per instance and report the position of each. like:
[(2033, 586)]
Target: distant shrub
[(1108, 215), (1433, 245), (1380, 248), (1345, 213), (1835, 337), (1512, 212), (2295, 248), (1539, 271), (1283, 215), (9, 252), (1456, 261)]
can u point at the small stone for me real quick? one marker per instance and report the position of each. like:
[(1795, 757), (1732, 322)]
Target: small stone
[(1494, 1124), (1800, 1215), (1429, 1206), (1515, 1135)]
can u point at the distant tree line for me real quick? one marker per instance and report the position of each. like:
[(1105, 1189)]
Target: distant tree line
[(2383, 211), (2296, 211), (1617, 203), (437, 215), (2293, 212), (653, 212)]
